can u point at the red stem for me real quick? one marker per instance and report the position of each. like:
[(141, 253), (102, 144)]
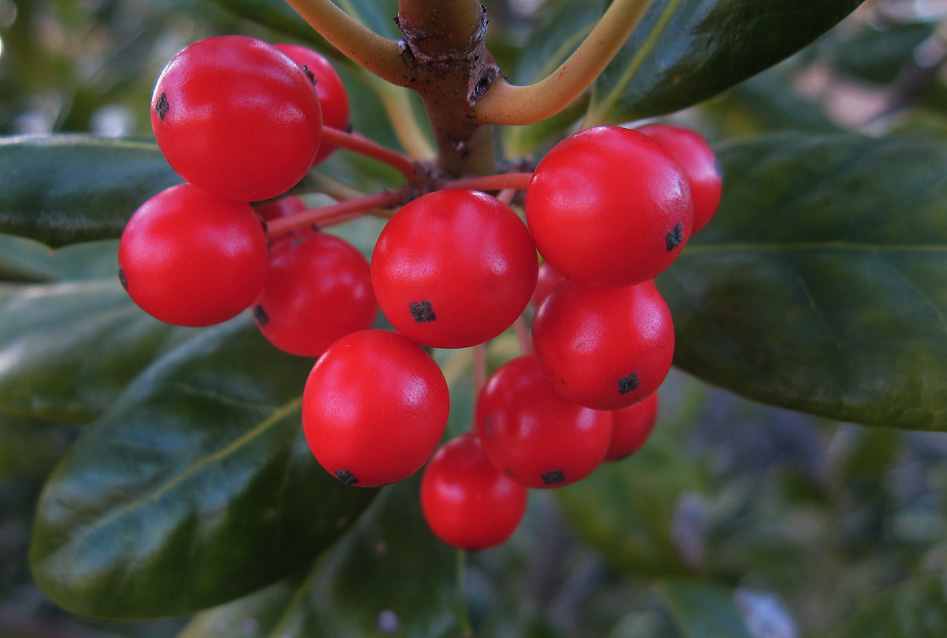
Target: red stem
[(501, 181), (412, 171), (335, 213)]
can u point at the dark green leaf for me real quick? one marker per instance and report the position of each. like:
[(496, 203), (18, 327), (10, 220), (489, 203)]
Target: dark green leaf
[(277, 16), (377, 15), (24, 261), (195, 488), (702, 610), (912, 609), (388, 576), (72, 188), (68, 349), (821, 285), (685, 51)]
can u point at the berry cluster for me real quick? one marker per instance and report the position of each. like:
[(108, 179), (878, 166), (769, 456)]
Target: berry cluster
[(608, 209)]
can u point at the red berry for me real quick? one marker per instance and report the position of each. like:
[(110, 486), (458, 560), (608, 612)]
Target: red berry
[(548, 277), (468, 502), (193, 259), (318, 289), (699, 163), (374, 408), (537, 437), (454, 268), (329, 88), (604, 348), (631, 427), (609, 207), (282, 207), (235, 116)]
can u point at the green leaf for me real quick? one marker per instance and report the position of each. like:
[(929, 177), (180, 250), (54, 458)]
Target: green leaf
[(66, 189), (377, 15), (69, 349), (195, 488), (685, 51), (702, 610), (821, 285), (389, 575), (277, 16), (911, 609)]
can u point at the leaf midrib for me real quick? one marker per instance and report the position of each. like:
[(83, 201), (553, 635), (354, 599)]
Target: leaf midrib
[(278, 415)]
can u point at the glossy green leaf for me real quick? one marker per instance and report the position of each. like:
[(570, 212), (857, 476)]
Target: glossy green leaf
[(195, 488), (68, 349), (72, 188), (821, 285), (685, 51), (277, 16), (388, 576), (702, 610)]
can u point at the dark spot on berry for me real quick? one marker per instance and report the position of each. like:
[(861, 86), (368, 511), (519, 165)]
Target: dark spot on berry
[(260, 315), (349, 128), (309, 74), (315, 227), (162, 107), (674, 238), (122, 278), (422, 311), (554, 477), (508, 471), (346, 477), (628, 384)]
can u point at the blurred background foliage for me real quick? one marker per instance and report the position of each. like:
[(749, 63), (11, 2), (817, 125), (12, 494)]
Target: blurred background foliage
[(737, 519)]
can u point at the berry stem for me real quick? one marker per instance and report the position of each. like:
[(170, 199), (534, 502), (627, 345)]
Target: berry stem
[(371, 51), (336, 213), (355, 205), (505, 103), (412, 171), (497, 182)]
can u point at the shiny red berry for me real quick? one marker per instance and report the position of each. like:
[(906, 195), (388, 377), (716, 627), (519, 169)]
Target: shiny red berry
[(467, 501), (609, 206), (699, 163), (191, 258), (604, 348), (329, 88), (374, 408), (454, 268), (318, 289), (236, 117), (631, 427), (536, 436)]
